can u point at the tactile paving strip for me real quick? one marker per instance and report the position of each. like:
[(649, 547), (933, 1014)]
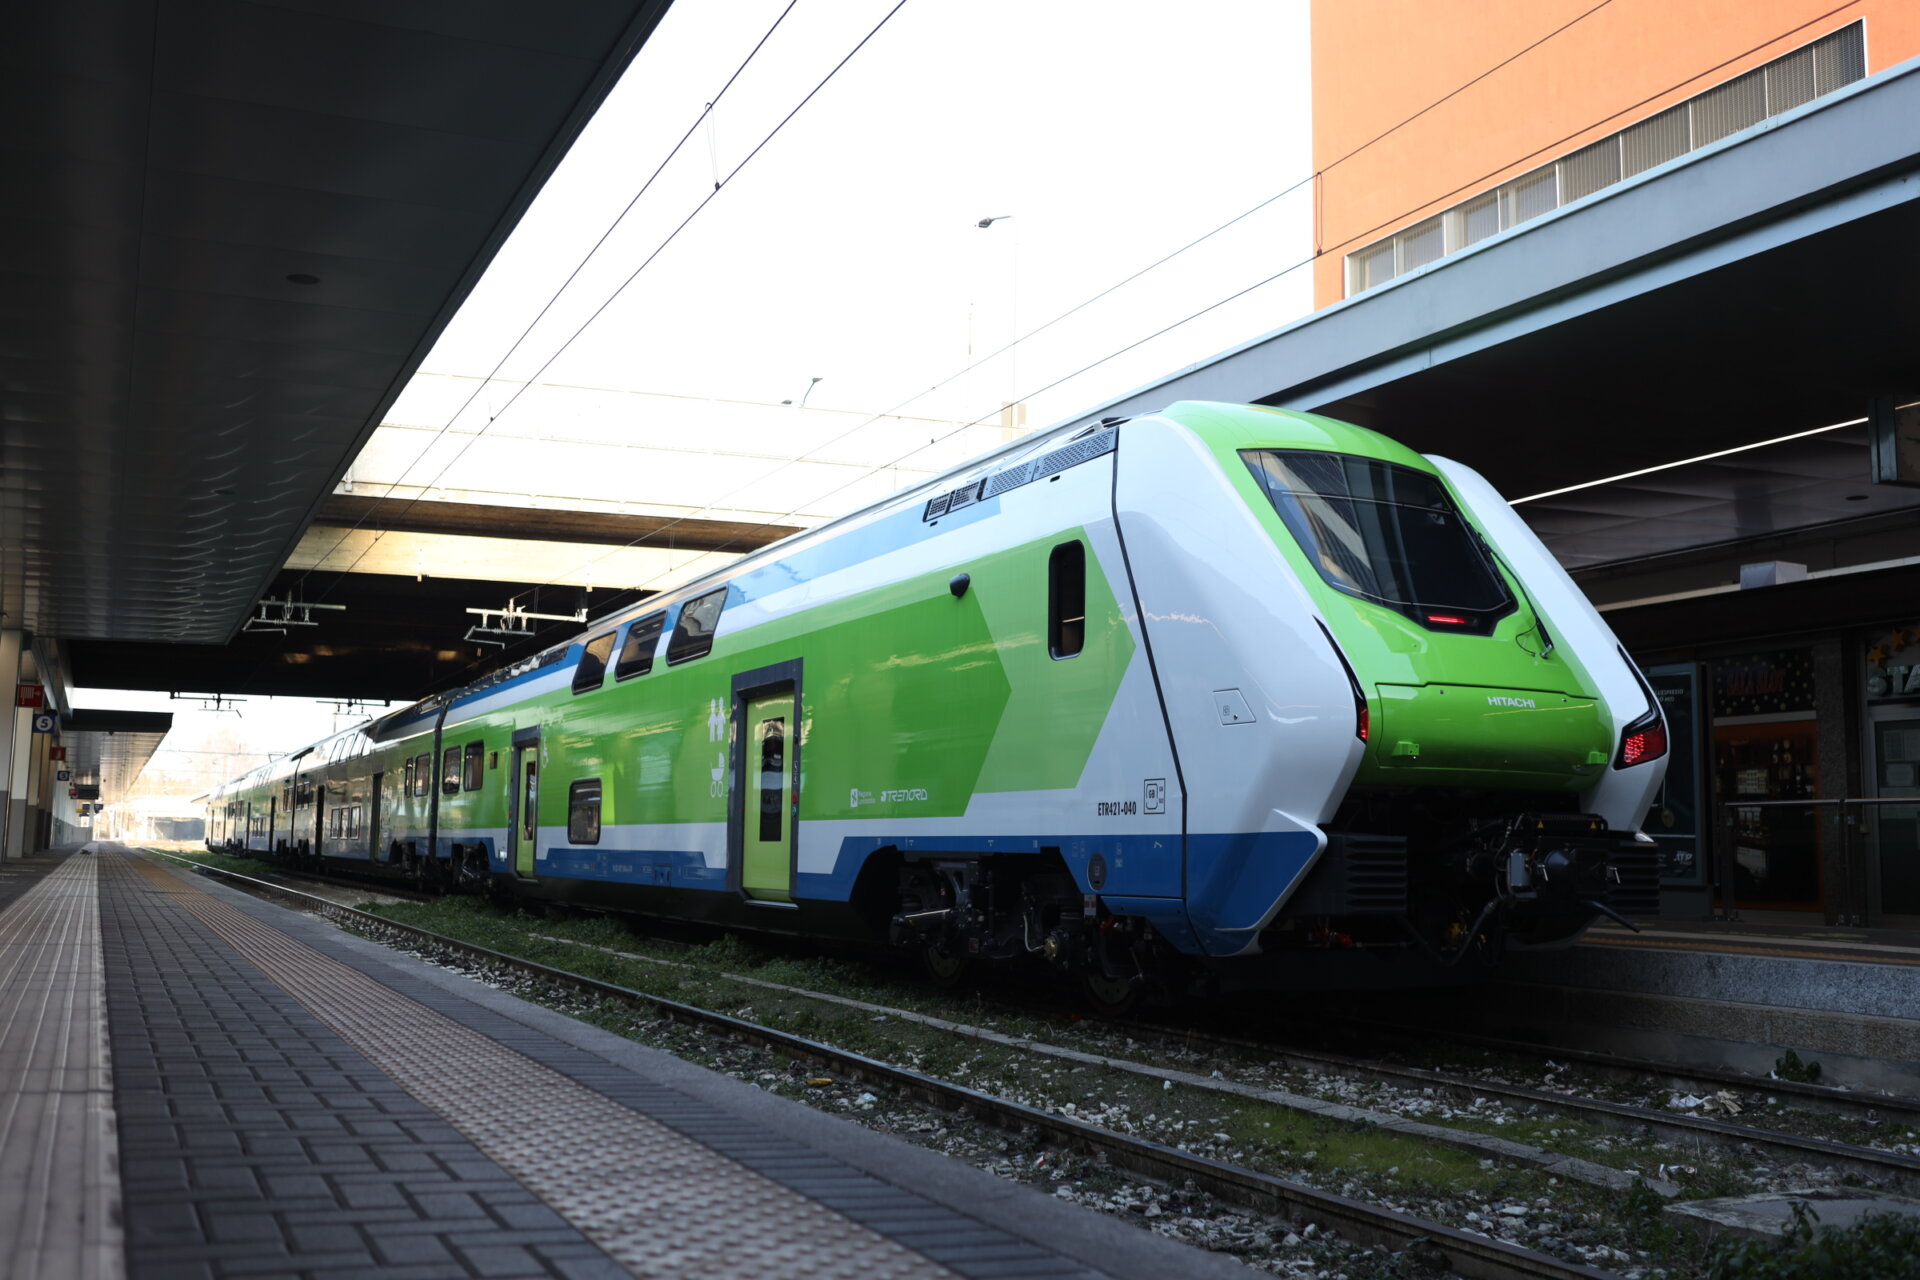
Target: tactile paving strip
[(59, 1177), (660, 1203)]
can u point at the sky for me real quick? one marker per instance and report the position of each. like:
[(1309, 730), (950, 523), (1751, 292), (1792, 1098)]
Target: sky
[(847, 248), (844, 245)]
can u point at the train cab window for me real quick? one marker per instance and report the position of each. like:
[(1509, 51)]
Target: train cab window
[(693, 634), (1067, 599), (583, 812), (1385, 533), (450, 770), (422, 772), (470, 768), (636, 655), (592, 670)]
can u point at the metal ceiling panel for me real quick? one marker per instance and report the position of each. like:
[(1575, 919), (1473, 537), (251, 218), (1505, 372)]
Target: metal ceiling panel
[(229, 234), (110, 748)]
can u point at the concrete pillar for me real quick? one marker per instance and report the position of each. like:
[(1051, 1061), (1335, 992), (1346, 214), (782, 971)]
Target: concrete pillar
[(38, 775), (9, 736), (19, 799)]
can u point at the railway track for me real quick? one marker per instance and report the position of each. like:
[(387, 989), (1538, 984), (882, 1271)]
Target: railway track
[(1461, 1253), (1884, 1168)]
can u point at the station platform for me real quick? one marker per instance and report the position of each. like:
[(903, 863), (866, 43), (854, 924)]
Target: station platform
[(194, 1083), (1722, 994)]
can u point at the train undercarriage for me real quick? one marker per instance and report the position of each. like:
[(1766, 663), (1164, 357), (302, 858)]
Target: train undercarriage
[(1412, 889)]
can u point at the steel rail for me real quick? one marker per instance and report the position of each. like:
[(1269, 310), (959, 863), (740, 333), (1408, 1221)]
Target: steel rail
[(1819, 1097), (1465, 1253), (1885, 1166)]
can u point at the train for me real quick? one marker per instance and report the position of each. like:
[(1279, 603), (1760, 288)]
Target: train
[(1222, 697)]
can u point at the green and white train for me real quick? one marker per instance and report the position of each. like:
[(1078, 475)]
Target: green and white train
[(1225, 694)]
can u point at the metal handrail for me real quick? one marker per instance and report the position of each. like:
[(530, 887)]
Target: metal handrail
[(1810, 803), (1852, 881)]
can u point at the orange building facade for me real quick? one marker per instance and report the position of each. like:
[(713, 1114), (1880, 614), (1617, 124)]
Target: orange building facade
[(1436, 126)]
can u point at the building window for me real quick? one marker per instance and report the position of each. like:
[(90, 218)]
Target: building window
[(592, 670), (1067, 599), (471, 770), (1829, 63), (636, 655), (693, 635), (583, 812)]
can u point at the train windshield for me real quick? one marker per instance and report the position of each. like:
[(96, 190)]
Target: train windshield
[(1385, 533)]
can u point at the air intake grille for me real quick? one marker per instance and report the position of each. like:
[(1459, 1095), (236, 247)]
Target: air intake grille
[(1376, 874), (1086, 449), (1636, 894)]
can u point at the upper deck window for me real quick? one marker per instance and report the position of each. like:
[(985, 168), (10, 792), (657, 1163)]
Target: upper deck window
[(593, 663), (1385, 533), (636, 655), (693, 634)]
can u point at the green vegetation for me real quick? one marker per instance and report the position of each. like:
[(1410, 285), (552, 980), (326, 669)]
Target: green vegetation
[(1881, 1246), (1386, 1160), (1789, 1067)]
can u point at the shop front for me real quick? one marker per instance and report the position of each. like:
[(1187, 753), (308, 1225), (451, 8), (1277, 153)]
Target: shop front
[(1793, 791)]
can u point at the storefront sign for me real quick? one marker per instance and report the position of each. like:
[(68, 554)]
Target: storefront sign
[(1763, 684), (1893, 665)]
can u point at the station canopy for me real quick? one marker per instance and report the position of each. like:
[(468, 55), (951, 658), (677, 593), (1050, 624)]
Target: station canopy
[(254, 312), (1754, 290)]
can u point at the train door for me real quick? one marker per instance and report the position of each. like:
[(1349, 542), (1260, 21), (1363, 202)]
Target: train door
[(373, 817), (273, 820), (763, 808), (523, 802)]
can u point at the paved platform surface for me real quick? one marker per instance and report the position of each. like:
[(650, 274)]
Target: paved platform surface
[(255, 1093)]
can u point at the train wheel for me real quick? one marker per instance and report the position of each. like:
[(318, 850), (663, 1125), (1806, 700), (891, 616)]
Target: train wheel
[(1111, 997), (944, 967)]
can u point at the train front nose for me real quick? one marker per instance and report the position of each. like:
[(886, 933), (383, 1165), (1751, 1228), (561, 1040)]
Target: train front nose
[(1476, 735)]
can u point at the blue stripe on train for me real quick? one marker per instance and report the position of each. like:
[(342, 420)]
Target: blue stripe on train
[(1233, 881)]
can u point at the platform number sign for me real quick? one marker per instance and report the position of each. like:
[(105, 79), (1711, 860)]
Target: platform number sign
[(63, 775), (43, 722)]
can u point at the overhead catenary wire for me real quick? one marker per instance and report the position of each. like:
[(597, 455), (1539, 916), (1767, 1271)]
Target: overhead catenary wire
[(653, 256), (705, 117), (1083, 305), (1318, 253)]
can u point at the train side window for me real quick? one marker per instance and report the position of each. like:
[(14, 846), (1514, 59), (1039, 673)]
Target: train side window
[(422, 772), (1067, 599), (471, 770), (592, 670), (693, 634), (411, 766), (583, 812), (450, 770), (636, 655)]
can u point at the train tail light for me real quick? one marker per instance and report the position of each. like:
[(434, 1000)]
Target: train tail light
[(1643, 740), (1646, 738)]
